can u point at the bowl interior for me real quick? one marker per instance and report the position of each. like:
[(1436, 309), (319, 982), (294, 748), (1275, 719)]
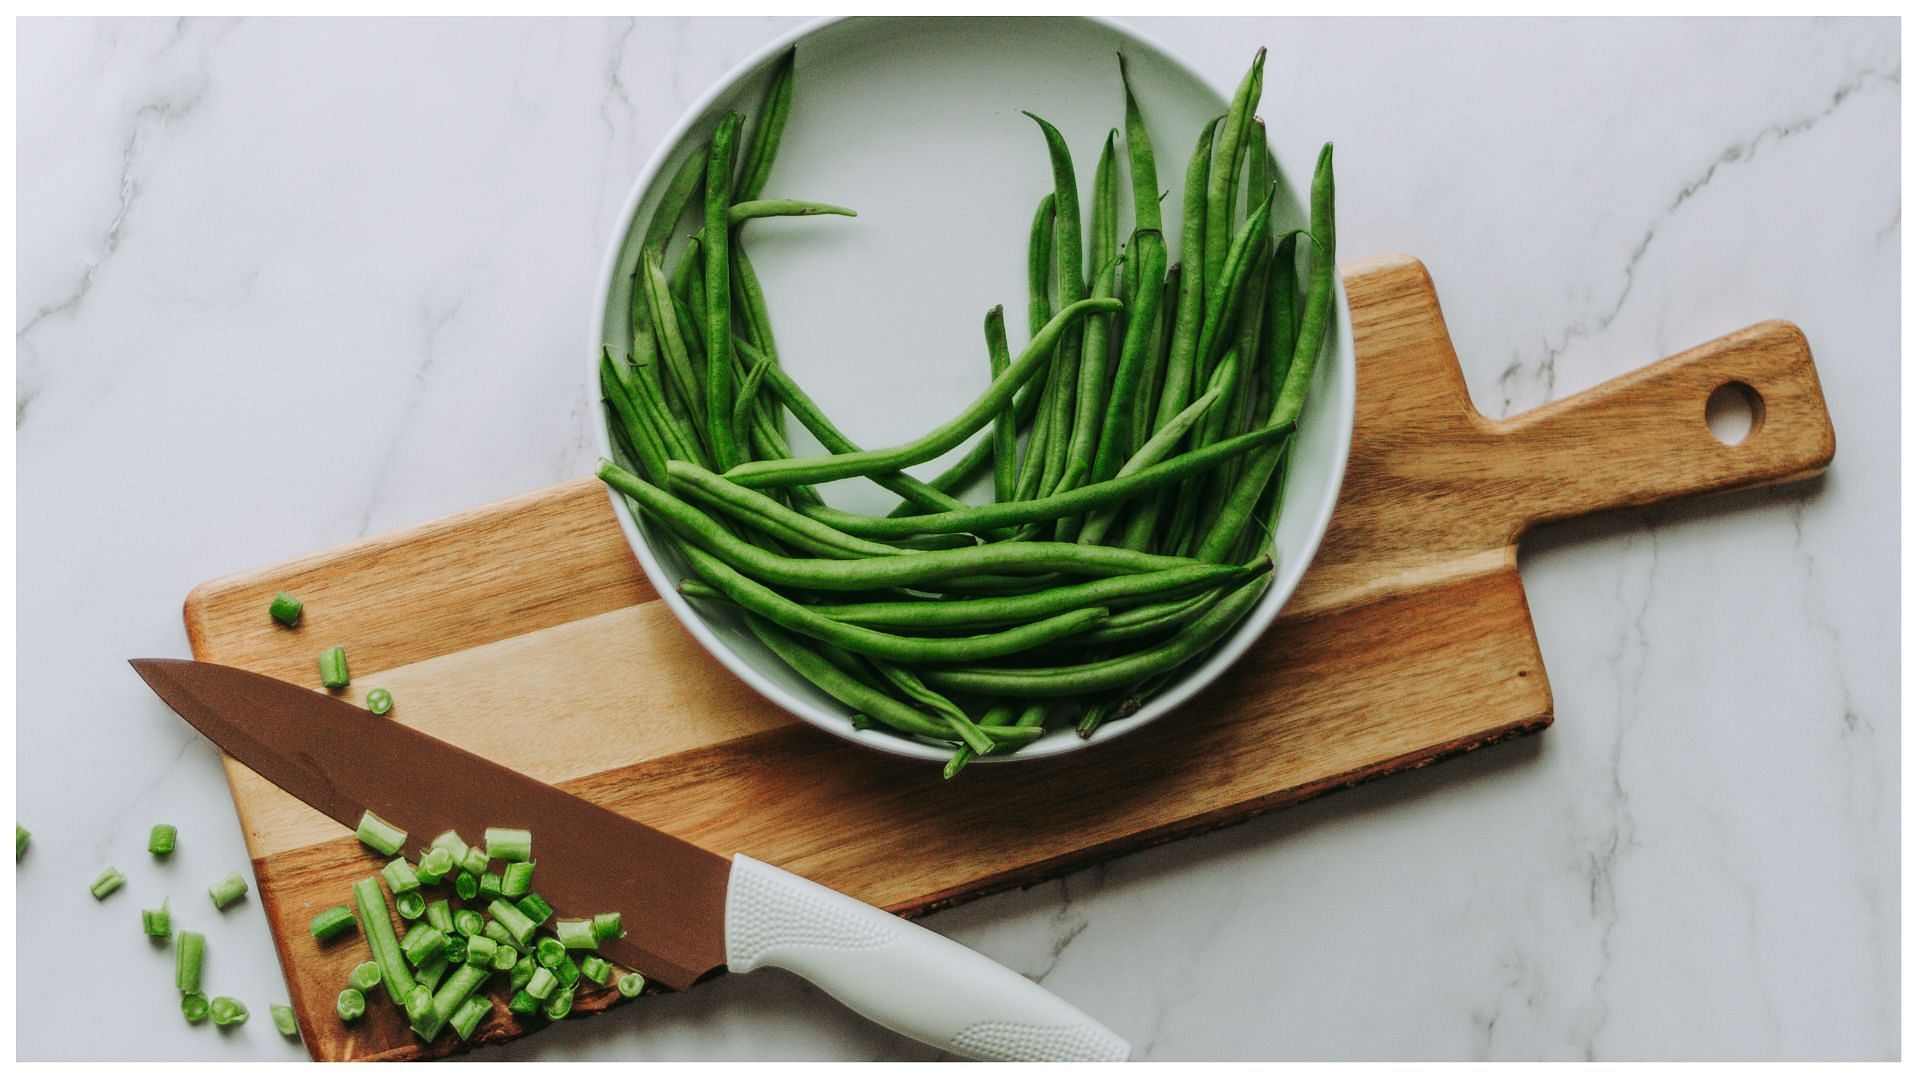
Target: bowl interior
[(917, 125)]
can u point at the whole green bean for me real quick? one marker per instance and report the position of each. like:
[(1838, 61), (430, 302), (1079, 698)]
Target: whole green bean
[(1137, 589), (1004, 449), (639, 434), (782, 208), (1070, 284), (803, 531), (673, 344), (1141, 172), (1116, 437), (1223, 304), (1039, 269), (1146, 400), (1090, 396), (879, 572), (1156, 448), (719, 297), (1071, 501), (1223, 183), (933, 444), (909, 684), (1077, 679), (1287, 404), (768, 125), (866, 641)]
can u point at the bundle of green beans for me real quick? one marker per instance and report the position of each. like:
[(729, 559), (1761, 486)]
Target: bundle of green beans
[(1137, 445)]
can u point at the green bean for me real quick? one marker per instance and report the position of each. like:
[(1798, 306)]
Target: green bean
[(1039, 270), (937, 442), (996, 611), (1156, 448), (1186, 502), (808, 413), (823, 673), (1142, 174), (768, 125), (1071, 501), (1260, 166), (1283, 315), (1223, 304), (782, 208), (1002, 442), (1090, 396), (673, 345), (719, 297), (1149, 620), (879, 572), (1146, 400), (1070, 284), (721, 494), (1077, 679), (910, 685), (1221, 186), (686, 179), (1287, 403), (640, 435), (1116, 436), (746, 410), (868, 642)]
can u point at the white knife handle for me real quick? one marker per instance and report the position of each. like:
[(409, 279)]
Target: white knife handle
[(900, 974)]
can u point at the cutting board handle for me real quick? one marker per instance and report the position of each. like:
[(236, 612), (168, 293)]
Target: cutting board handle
[(1643, 438)]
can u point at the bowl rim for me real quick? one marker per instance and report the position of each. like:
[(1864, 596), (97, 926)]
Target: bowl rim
[(1228, 651)]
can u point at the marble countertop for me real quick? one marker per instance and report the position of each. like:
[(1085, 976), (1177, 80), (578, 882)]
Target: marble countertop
[(284, 284)]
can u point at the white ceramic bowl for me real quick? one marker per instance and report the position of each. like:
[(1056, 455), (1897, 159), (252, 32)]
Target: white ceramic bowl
[(916, 123)]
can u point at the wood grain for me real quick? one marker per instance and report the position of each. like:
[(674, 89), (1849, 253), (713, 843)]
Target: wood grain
[(526, 631)]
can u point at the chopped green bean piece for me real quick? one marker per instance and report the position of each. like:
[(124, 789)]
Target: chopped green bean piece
[(350, 1004), (285, 609), (518, 922), (567, 973), (451, 843), (20, 839), (523, 1003), (193, 1007), (480, 950), (468, 922), (400, 877), (332, 922), (227, 1011), (227, 890), (161, 839), (430, 974), (420, 1014), (189, 953), (468, 1016), (365, 976), (509, 845), (440, 915), (462, 982), (505, 957), (542, 983), (521, 972), (607, 925), (595, 968), (421, 941), (517, 879), (631, 984), (379, 834), (475, 861), (549, 952), (575, 934), (489, 887), (466, 886), (380, 700), (435, 864), (108, 881), (157, 922), (560, 1005), (497, 931), (378, 930), (333, 668), (535, 907), (283, 1019), (456, 950), (410, 904)]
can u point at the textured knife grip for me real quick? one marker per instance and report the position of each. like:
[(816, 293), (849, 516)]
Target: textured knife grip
[(900, 974)]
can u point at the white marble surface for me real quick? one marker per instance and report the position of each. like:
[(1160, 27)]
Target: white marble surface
[(283, 284)]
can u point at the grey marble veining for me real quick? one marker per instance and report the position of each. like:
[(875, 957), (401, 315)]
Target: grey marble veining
[(282, 284)]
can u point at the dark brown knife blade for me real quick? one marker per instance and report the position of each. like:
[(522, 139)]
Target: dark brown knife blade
[(342, 760)]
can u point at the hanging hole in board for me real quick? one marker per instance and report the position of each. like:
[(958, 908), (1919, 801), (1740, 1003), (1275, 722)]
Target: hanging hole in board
[(1734, 411)]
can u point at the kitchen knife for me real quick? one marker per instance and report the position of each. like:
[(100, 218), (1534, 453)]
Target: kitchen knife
[(689, 913)]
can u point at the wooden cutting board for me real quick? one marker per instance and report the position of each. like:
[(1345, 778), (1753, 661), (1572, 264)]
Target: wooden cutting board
[(526, 631)]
